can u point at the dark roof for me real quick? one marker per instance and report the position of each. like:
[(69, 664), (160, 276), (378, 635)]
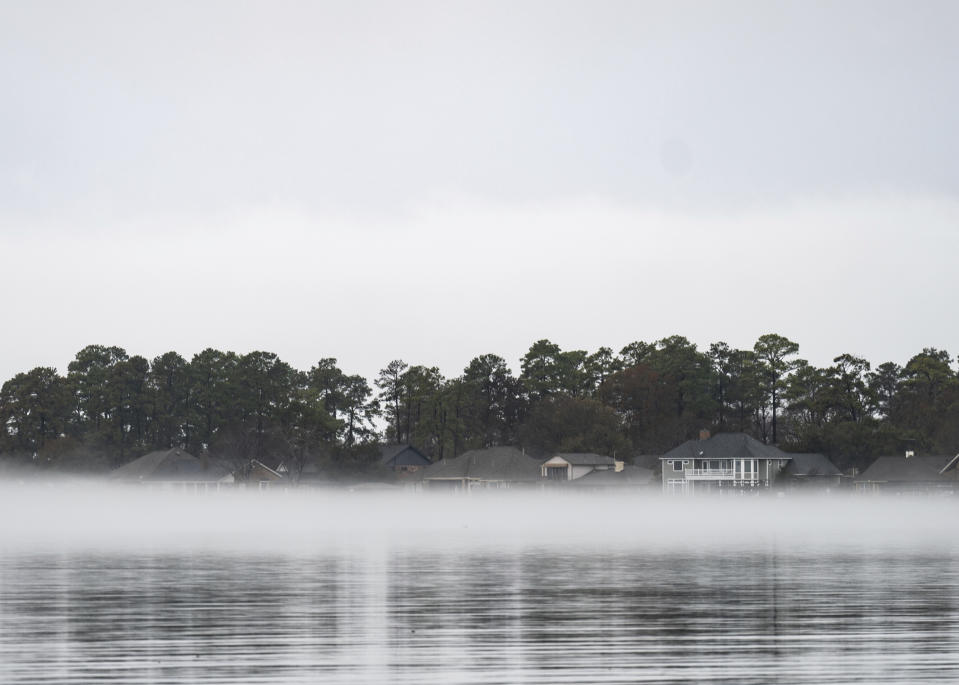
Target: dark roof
[(906, 470), (647, 460), (490, 464), (585, 459), (726, 446), (810, 464), (402, 455), (629, 476), (173, 465)]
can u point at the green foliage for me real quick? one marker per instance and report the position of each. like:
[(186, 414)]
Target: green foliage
[(772, 370), (35, 408), (573, 424), (642, 399), (390, 384), (547, 371), (111, 407), (488, 402)]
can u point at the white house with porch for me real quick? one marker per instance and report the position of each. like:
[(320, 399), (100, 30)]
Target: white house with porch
[(726, 462)]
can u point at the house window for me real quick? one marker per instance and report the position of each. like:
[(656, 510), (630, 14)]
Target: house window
[(677, 466)]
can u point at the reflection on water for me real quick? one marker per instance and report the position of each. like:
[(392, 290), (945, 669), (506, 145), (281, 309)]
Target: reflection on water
[(387, 614)]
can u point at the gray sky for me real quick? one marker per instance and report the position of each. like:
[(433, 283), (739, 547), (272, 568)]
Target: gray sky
[(435, 181)]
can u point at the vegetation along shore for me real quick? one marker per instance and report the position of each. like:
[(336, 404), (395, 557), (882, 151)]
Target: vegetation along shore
[(112, 407)]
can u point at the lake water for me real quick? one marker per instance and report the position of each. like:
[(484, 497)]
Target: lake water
[(462, 606)]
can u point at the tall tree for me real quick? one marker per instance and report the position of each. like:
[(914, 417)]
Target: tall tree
[(266, 386), (390, 385), (549, 371), (772, 355), (134, 415), (491, 400), (359, 411), (420, 404), (599, 366), (329, 382), (884, 384), (688, 372), (213, 393), (744, 391), (852, 398), (637, 352), (169, 383), (96, 383)]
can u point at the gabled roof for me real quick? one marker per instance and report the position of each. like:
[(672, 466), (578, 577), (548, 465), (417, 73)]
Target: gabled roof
[(585, 459), (490, 464), (629, 476), (402, 455), (173, 465), (951, 464), (726, 446), (906, 470), (810, 464), (257, 464)]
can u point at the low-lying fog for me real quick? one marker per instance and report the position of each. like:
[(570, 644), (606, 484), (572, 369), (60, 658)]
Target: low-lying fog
[(68, 515)]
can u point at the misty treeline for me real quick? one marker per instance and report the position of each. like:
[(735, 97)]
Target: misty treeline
[(111, 407)]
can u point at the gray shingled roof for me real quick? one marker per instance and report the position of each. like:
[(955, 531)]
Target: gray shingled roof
[(402, 455), (899, 469), (647, 460), (585, 459), (173, 465), (726, 446), (810, 464), (491, 464)]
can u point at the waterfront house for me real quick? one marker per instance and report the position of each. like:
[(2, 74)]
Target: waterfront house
[(174, 469), (574, 465), (811, 471), (725, 462), (493, 467), (910, 475), (403, 459), (258, 475), (630, 478)]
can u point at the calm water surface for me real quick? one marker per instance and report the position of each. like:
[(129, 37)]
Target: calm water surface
[(524, 614)]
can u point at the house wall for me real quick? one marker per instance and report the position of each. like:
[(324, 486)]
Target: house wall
[(669, 473), (580, 471), (768, 469)]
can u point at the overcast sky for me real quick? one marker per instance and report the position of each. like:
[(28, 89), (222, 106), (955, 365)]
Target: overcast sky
[(435, 181)]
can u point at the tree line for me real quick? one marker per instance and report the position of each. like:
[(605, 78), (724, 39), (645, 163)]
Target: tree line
[(112, 407)]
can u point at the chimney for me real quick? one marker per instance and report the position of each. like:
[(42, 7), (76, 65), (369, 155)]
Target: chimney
[(704, 434), (910, 453)]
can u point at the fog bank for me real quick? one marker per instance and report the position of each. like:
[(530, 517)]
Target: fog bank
[(84, 516)]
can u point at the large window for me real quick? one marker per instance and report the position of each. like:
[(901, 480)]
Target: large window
[(678, 465)]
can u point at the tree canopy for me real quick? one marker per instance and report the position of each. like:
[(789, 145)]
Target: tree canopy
[(111, 407)]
